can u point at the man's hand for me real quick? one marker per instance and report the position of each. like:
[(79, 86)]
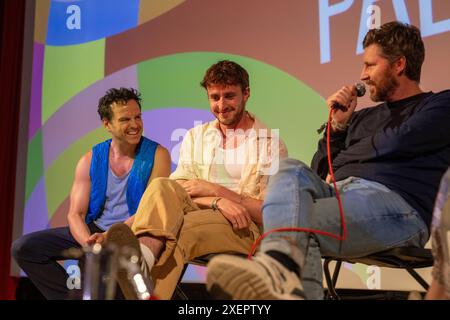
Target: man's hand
[(346, 97), (235, 213), (96, 238), (199, 188)]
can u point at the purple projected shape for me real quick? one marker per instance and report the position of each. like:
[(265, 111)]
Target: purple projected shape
[(78, 116), (163, 125), (159, 126), (195, 274), (36, 90), (36, 211)]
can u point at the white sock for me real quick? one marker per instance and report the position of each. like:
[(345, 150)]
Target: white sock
[(148, 259)]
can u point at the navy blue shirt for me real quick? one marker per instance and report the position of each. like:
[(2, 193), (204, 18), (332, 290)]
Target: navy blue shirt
[(404, 145)]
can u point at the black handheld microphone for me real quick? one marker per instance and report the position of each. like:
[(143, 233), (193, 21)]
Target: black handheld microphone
[(360, 91)]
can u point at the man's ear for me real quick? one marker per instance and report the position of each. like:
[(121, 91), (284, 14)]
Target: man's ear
[(400, 65), (105, 123), (246, 93)]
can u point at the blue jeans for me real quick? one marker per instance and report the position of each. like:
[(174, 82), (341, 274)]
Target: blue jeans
[(377, 219)]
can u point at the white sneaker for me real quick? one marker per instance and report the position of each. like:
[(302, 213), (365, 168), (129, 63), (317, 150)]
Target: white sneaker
[(262, 278)]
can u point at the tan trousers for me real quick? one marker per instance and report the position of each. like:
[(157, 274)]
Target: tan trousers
[(166, 210)]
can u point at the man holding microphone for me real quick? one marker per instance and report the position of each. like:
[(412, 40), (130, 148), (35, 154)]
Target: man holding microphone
[(387, 160)]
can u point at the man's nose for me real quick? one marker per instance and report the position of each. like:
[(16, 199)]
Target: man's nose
[(134, 123), (221, 104), (364, 75)]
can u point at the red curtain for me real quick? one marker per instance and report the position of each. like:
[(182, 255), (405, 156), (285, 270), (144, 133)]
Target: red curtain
[(12, 18)]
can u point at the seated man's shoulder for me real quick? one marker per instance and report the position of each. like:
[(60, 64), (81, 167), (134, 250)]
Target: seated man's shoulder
[(201, 127), (86, 158), (161, 151), (445, 92), (438, 101), (443, 95)]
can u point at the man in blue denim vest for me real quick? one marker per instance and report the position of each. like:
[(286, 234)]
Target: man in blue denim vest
[(108, 185)]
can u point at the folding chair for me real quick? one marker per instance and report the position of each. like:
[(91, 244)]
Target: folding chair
[(408, 258)]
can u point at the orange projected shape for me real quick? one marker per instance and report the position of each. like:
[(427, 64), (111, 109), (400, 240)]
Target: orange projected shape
[(149, 10)]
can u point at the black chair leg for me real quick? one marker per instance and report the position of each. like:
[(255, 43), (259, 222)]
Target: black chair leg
[(331, 282), (418, 278), (336, 271), (411, 271), (179, 293)]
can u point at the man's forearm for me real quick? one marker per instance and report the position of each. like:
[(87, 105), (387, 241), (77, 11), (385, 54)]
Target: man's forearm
[(228, 194), (253, 206), (78, 229)]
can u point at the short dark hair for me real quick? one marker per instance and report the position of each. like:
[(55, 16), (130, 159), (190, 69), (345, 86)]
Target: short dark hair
[(115, 95), (398, 39), (226, 73)]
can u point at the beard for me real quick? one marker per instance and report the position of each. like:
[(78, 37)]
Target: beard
[(234, 120), (386, 86)]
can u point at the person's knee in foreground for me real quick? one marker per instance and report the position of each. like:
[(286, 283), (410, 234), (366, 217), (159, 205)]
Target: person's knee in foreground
[(212, 201), (387, 161), (440, 235), (108, 184)]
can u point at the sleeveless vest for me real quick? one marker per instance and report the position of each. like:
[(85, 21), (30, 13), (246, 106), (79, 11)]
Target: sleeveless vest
[(137, 181)]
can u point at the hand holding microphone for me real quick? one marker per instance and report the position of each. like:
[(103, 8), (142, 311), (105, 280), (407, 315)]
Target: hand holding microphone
[(343, 103)]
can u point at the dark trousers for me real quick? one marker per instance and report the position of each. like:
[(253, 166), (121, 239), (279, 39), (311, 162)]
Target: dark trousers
[(37, 254)]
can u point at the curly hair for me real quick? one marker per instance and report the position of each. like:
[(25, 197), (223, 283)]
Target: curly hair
[(397, 40), (226, 73), (114, 95)]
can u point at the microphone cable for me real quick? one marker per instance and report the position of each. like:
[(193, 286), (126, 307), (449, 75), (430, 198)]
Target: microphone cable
[(343, 234)]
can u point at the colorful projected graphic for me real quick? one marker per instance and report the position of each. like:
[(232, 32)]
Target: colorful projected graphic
[(163, 47)]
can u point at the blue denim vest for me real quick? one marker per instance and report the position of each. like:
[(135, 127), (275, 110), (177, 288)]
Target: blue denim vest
[(137, 181)]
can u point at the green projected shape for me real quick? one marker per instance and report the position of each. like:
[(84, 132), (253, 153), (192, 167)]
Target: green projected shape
[(59, 175), (35, 164), (360, 270), (76, 67), (174, 81), (277, 98)]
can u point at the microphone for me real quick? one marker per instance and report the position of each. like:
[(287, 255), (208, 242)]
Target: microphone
[(360, 91)]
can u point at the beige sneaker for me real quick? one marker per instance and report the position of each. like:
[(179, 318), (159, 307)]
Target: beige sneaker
[(262, 278), (131, 266)]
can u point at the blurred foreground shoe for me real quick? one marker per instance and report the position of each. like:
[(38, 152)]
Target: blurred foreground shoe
[(133, 275), (262, 278), (415, 295)]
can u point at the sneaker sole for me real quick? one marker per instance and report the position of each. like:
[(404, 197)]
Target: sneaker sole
[(121, 235), (230, 277)]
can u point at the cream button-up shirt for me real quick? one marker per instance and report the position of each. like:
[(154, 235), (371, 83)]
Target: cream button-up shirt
[(263, 151)]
